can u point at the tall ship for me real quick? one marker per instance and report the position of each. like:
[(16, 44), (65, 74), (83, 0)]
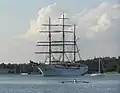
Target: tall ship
[(63, 65)]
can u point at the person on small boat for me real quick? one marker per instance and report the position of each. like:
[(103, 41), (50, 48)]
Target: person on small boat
[(74, 81)]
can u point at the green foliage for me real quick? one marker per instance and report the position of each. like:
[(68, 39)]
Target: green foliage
[(118, 65), (118, 69), (109, 65)]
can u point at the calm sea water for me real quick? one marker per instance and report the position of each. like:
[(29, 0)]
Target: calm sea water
[(38, 84)]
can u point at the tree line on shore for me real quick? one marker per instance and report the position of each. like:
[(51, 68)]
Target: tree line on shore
[(109, 64)]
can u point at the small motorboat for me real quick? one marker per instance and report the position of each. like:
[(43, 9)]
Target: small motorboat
[(97, 74), (74, 81), (24, 74)]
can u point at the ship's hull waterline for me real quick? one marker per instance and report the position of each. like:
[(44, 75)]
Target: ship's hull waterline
[(52, 70)]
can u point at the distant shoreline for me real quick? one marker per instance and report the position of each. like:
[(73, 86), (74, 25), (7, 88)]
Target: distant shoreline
[(110, 65)]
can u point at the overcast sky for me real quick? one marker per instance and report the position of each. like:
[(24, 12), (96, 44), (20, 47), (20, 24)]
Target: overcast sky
[(97, 24)]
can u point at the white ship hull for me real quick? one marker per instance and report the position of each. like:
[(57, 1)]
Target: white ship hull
[(53, 70)]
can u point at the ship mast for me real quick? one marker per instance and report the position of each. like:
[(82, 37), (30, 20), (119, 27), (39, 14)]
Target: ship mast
[(49, 41), (74, 45), (56, 43), (63, 22)]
